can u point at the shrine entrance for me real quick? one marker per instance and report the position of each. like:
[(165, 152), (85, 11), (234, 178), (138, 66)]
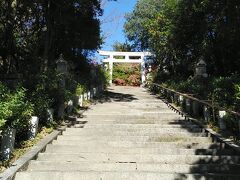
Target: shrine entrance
[(111, 57)]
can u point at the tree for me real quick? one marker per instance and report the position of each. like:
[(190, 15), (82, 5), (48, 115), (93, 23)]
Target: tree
[(122, 47), (34, 33), (180, 32)]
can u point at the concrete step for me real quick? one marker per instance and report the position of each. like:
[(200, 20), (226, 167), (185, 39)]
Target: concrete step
[(120, 139), (161, 123), (129, 144), (132, 166), (80, 149), (133, 127), (120, 176), (150, 133), (143, 158), (182, 123), (166, 127), (129, 109), (169, 116)]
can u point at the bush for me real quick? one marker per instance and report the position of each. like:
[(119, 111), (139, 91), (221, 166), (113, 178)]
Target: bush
[(126, 74), (15, 110), (225, 91), (80, 89)]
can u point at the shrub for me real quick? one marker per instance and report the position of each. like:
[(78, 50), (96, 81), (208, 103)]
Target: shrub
[(119, 82), (80, 89), (225, 90), (15, 110), (129, 74)]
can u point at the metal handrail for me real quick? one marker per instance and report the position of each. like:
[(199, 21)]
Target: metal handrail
[(198, 100)]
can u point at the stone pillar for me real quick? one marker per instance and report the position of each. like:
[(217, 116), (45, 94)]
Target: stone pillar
[(50, 114), (7, 144), (94, 92), (80, 102), (62, 71), (70, 106), (221, 121), (206, 113), (85, 96), (110, 72), (33, 129), (89, 95), (181, 100), (188, 105), (143, 76)]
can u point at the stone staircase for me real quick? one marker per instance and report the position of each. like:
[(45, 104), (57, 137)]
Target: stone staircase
[(132, 135)]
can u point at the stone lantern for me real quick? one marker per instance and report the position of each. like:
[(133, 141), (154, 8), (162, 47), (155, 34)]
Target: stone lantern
[(62, 70), (201, 69), (61, 65)]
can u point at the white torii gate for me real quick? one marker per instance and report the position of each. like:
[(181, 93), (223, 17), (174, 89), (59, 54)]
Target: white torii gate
[(129, 57)]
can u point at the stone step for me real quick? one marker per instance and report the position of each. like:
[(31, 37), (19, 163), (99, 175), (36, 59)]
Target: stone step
[(167, 127), (128, 110), (132, 128), (182, 123), (142, 122), (169, 116), (80, 149), (132, 166), (144, 158), (129, 144), (144, 107), (163, 138), (120, 176), (135, 132)]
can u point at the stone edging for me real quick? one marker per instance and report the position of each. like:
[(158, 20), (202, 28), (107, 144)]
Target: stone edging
[(23, 161)]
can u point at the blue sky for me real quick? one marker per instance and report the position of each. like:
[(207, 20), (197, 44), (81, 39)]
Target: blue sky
[(113, 21)]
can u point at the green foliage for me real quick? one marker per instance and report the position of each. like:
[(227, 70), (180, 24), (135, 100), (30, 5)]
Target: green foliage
[(126, 74), (80, 89), (5, 112), (34, 33), (180, 32), (102, 76), (224, 90), (15, 110), (122, 47)]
